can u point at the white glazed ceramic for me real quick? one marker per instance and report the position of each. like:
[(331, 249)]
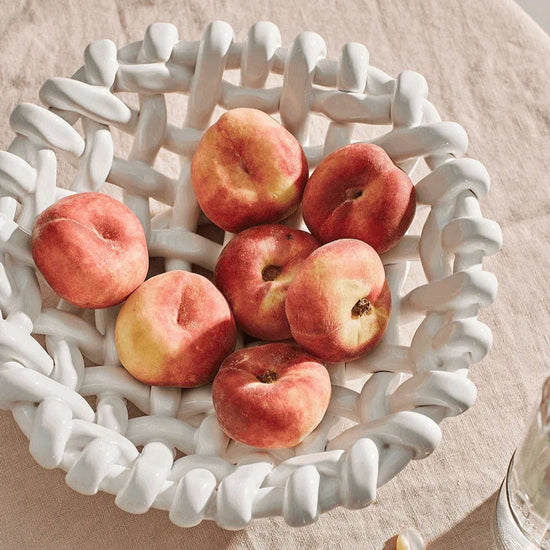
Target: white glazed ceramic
[(395, 415)]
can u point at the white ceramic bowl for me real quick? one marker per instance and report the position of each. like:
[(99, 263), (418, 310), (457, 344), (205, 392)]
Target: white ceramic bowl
[(414, 383)]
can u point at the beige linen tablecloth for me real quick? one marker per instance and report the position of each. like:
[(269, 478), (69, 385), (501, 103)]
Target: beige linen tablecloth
[(487, 65)]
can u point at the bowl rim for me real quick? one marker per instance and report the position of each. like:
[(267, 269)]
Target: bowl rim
[(411, 389)]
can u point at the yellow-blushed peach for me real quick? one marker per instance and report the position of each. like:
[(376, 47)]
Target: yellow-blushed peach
[(175, 330)]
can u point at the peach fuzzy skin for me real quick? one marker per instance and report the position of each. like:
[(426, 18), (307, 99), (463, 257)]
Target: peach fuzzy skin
[(91, 249), (357, 192), (339, 303), (247, 170), (254, 271), (271, 396), (175, 330)]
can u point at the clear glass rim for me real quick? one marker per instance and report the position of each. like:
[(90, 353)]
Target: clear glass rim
[(511, 508)]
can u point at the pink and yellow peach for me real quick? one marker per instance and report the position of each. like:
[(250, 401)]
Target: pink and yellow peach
[(175, 330), (339, 303)]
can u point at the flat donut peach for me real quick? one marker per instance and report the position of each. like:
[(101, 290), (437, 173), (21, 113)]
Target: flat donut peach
[(254, 271), (175, 330), (248, 170), (271, 396), (357, 192), (339, 303), (91, 249)]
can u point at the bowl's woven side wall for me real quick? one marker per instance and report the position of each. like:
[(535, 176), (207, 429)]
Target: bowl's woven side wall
[(396, 415)]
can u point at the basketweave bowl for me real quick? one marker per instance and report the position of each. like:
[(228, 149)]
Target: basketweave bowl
[(406, 387)]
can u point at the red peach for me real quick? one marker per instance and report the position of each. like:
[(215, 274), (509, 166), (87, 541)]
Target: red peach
[(357, 192), (339, 303), (270, 396), (254, 271), (175, 330), (247, 170), (91, 249)]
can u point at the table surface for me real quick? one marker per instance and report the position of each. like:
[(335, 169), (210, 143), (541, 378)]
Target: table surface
[(487, 65)]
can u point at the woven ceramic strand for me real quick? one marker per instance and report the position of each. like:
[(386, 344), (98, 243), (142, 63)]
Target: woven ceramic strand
[(412, 387)]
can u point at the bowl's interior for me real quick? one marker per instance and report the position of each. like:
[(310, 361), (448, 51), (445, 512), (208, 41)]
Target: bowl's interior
[(170, 164)]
